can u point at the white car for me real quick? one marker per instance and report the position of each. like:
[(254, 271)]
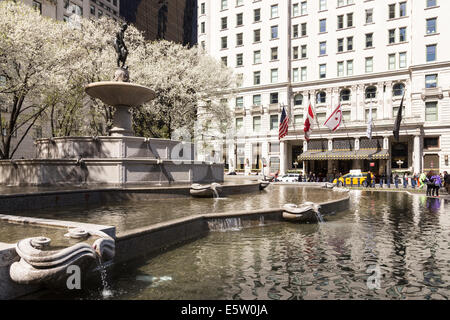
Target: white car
[(291, 177)]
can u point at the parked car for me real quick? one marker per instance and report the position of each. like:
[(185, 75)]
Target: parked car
[(349, 177), (291, 177)]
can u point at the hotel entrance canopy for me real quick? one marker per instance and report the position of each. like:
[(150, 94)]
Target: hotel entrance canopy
[(365, 154)]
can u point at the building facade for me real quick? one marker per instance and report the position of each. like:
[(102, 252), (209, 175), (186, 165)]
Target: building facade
[(174, 20), (362, 54)]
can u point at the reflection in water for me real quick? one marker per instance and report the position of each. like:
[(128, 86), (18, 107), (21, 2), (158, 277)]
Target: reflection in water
[(402, 236), (132, 215)]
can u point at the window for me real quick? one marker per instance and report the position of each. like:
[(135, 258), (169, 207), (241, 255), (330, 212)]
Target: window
[(402, 34), (402, 9), (371, 92), (431, 53), (257, 15), (295, 10), (431, 81), (257, 56), (274, 11), (369, 15), (99, 13), (303, 29), (391, 36), (395, 111), (431, 143), (303, 7), (202, 26), (93, 10), (402, 59), (304, 51), (295, 75), (431, 111), (321, 117), (398, 89), (346, 116), (322, 5), (257, 77), (257, 35), (224, 61), (274, 53), (391, 61), (202, 8), (295, 31), (224, 43), (350, 67), (224, 22), (203, 45), (431, 3), (239, 79), (322, 71), (349, 20), (239, 60), (431, 25), (349, 43), (322, 48), (224, 5), (369, 64), (239, 39), (274, 32), (274, 97), (323, 25), (37, 6), (392, 11), (369, 40), (340, 22), (321, 97), (239, 2), (257, 100), (303, 74), (295, 53), (340, 3), (239, 19), (273, 122), (340, 45), (345, 95), (374, 114), (340, 68), (257, 123), (239, 102), (298, 120), (298, 100), (274, 75)]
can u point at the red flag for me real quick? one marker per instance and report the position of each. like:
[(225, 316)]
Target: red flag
[(334, 120), (308, 123)]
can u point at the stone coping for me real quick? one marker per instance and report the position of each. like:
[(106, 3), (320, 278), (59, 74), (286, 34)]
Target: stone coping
[(110, 230), (106, 138), (74, 161)]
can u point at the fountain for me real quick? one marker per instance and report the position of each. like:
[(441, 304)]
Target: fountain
[(306, 212), (118, 159)]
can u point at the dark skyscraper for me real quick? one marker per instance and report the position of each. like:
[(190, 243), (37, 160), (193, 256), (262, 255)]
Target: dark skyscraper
[(173, 20)]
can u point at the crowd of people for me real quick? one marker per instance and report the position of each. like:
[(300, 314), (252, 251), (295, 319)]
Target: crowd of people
[(433, 181)]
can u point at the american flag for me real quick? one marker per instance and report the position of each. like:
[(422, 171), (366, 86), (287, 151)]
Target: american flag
[(284, 124)]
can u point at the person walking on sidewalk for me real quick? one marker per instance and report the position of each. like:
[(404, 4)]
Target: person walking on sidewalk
[(430, 184), (447, 181)]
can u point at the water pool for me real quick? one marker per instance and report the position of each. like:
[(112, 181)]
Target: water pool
[(131, 215), (398, 241)]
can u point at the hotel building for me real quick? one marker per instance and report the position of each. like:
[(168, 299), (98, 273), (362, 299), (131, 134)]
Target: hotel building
[(364, 54)]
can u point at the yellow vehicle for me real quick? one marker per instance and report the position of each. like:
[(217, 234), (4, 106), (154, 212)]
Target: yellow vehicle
[(353, 177)]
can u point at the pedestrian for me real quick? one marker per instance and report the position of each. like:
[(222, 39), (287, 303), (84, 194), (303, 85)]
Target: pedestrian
[(372, 177), (447, 181), (422, 180), (382, 179), (437, 182), (430, 184), (405, 180), (396, 180), (369, 179)]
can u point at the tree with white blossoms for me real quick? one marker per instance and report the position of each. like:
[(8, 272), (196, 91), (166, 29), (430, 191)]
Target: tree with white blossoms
[(43, 75), (183, 78), (31, 61)]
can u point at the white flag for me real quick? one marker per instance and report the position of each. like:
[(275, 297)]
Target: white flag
[(370, 123), (335, 119)]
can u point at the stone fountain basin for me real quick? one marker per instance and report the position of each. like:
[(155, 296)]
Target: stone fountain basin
[(120, 93)]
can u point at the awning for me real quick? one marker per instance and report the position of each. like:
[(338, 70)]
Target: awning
[(366, 154)]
